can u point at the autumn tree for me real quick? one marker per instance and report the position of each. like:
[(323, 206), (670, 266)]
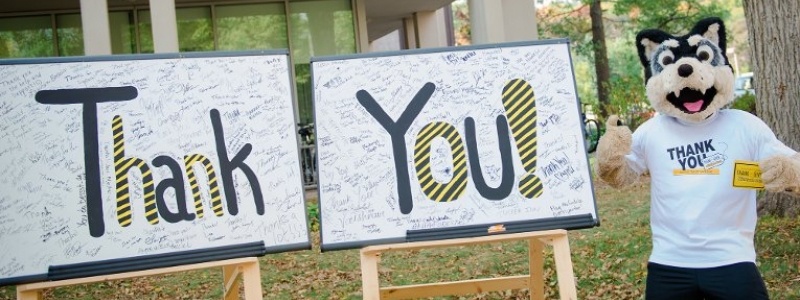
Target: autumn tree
[(675, 16), (773, 33), (600, 55), (461, 27)]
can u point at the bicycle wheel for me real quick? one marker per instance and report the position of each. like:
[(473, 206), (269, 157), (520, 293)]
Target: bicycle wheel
[(591, 132)]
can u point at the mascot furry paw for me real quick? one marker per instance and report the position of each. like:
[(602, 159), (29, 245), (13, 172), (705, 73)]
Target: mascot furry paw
[(699, 219)]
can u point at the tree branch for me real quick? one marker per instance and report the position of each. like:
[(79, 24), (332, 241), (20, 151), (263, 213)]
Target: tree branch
[(567, 12)]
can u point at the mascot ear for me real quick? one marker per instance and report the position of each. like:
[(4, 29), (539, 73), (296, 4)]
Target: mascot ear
[(712, 29), (647, 41)]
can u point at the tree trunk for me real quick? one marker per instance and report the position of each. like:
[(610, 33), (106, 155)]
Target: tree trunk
[(774, 33), (600, 56)]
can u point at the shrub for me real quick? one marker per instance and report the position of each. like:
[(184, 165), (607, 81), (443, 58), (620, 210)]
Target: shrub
[(312, 209), (746, 102), (628, 100)]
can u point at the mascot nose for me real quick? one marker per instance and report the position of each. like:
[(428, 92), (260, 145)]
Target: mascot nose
[(685, 70)]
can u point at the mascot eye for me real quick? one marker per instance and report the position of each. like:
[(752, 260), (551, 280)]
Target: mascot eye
[(704, 53), (666, 58)]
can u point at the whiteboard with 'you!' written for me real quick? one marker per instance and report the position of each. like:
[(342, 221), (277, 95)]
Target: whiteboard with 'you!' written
[(451, 142)]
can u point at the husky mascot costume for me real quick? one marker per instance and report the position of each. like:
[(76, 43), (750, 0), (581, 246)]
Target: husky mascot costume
[(702, 226)]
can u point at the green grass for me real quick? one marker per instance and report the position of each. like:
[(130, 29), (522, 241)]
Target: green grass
[(609, 263)]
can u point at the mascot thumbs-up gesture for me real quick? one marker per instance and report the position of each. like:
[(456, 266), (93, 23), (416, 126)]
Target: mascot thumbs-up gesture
[(702, 220)]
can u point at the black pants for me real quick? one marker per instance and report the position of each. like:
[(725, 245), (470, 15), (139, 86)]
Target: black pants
[(736, 281)]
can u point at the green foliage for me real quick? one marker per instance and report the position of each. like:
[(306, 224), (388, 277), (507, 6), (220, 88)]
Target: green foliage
[(623, 59), (627, 89), (561, 20), (312, 210), (746, 102), (628, 100), (674, 16), (461, 27), (585, 76)]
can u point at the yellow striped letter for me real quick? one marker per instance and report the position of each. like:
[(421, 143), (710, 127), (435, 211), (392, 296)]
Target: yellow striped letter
[(122, 165), (520, 106), (216, 201), (422, 155)]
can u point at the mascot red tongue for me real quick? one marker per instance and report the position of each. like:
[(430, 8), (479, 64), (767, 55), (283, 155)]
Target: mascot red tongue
[(702, 222), (693, 106)]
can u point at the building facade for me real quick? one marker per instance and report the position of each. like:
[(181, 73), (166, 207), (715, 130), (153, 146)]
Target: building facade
[(308, 28)]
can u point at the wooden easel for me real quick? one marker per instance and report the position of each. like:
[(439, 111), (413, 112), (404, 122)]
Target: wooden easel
[(370, 257), (231, 270)]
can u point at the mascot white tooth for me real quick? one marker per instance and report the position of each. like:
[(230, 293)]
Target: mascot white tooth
[(702, 225)]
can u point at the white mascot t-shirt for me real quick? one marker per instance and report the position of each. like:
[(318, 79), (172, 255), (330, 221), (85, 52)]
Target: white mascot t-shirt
[(698, 219)]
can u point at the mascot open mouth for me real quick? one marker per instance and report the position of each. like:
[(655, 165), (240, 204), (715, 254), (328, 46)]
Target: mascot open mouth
[(692, 101)]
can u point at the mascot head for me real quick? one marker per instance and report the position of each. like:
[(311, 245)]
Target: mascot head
[(687, 77)]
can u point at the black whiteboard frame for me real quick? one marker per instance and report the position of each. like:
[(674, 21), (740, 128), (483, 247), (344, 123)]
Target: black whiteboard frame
[(567, 222), (137, 263)]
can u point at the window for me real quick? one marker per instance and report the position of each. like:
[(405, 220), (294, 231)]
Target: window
[(253, 26), (26, 37), (321, 28), (69, 35), (318, 28), (123, 32), (195, 32), (145, 28)]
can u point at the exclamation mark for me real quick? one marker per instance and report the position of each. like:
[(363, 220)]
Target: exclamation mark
[(520, 105)]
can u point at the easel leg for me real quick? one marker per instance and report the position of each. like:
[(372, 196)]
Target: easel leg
[(247, 267), (566, 279), (536, 258), (369, 276), (251, 274), (230, 281), (29, 295)]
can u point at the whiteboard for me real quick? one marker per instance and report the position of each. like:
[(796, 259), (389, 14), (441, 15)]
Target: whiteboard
[(425, 144), (146, 161)]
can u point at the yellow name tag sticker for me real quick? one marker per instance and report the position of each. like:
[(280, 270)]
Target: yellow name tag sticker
[(747, 174)]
